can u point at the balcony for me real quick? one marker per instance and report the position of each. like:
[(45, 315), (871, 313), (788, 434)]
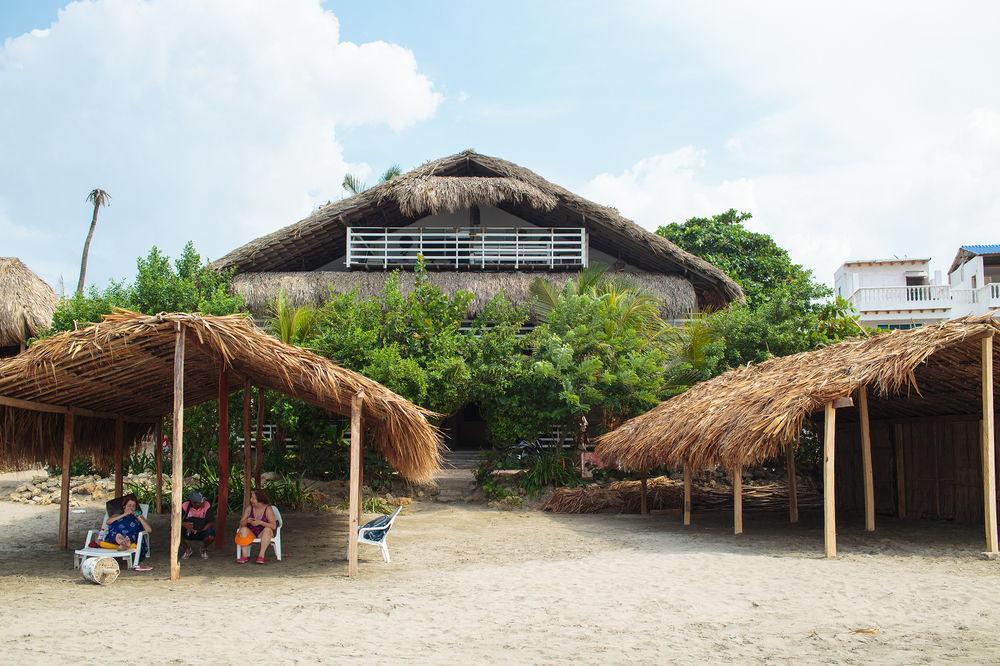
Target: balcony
[(924, 297), (467, 248)]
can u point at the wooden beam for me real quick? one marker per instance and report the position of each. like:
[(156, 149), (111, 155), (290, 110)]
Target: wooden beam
[(67, 460), (247, 393), (31, 405), (687, 495), (355, 486), (158, 448), (793, 484), (829, 490), (259, 443), (840, 403), (643, 504), (119, 458), (989, 450), (866, 459), (897, 447), (361, 483), (737, 474), (222, 501), (177, 461)]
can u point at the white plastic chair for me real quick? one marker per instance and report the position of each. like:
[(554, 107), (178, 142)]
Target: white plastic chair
[(131, 555), (378, 535), (276, 541)]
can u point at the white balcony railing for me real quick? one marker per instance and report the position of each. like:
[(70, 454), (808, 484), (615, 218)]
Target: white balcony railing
[(902, 298), (991, 292), (467, 247)]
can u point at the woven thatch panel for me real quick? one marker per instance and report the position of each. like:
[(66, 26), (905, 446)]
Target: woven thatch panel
[(259, 290), (459, 181)]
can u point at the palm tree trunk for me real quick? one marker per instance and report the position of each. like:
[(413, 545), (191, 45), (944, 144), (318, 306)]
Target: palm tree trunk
[(86, 251)]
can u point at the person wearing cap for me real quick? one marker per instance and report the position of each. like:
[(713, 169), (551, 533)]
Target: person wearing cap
[(197, 524)]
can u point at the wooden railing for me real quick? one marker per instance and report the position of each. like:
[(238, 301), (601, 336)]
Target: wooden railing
[(467, 247)]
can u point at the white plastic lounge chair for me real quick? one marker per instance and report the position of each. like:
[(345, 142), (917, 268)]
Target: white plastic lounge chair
[(276, 541), (131, 556), (376, 532)]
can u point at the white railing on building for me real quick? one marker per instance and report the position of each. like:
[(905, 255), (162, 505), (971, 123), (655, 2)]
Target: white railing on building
[(902, 298), (467, 247), (992, 293)]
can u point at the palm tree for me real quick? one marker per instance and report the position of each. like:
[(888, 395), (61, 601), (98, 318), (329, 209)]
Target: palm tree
[(355, 185), (99, 198), (289, 324)]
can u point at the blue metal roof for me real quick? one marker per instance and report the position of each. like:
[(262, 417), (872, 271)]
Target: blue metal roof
[(982, 249)]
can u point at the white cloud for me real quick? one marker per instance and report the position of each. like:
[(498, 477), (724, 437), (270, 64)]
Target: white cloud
[(882, 135), (668, 188), (212, 121)]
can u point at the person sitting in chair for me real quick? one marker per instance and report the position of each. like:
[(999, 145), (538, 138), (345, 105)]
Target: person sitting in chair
[(258, 519), (197, 523), (125, 523)]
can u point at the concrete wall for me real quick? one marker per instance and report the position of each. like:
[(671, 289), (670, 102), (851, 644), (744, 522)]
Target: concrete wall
[(851, 277), (961, 277)]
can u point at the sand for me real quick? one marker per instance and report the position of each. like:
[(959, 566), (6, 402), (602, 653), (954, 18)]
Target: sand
[(470, 584)]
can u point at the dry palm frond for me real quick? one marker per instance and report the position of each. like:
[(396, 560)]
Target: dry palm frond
[(123, 367), (26, 302), (748, 415)]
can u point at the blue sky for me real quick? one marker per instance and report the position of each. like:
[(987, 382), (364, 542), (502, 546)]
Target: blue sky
[(848, 130)]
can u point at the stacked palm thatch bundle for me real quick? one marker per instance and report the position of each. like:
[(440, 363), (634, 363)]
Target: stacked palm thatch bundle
[(749, 415), (26, 303), (664, 493)]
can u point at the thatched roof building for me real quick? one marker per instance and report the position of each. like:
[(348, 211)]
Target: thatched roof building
[(907, 422), (123, 368), (307, 258), (748, 415), (26, 303)]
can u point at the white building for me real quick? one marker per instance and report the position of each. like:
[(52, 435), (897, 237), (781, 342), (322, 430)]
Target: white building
[(902, 293)]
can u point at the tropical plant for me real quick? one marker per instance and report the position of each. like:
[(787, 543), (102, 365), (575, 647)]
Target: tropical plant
[(98, 198), (355, 185), (291, 325)]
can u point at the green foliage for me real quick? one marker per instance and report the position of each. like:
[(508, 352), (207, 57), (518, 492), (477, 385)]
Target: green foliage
[(138, 462), (285, 493), (548, 469), (376, 504), (187, 285), (410, 343), (785, 310), (77, 467), (291, 325)]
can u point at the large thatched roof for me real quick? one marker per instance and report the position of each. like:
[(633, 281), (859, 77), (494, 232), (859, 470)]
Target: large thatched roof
[(26, 302), (314, 287), (123, 367), (457, 182), (748, 415)]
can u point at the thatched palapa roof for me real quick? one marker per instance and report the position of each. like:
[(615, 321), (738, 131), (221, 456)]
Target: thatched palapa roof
[(457, 182), (123, 367), (748, 415), (313, 288), (26, 302)]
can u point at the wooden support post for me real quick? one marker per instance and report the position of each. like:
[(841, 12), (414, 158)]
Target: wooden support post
[(897, 447), (119, 457), (247, 392), (643, 503), (866, 459), (361, 485), (259, 443), (177, 458), (158, 452), (737, 500), (355, 486), (829, 497), (793, 484), (67, 459), (222, 501), (687, 495), (989, 450)]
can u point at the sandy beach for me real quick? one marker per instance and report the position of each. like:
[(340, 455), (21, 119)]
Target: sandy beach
[(468, 583)]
